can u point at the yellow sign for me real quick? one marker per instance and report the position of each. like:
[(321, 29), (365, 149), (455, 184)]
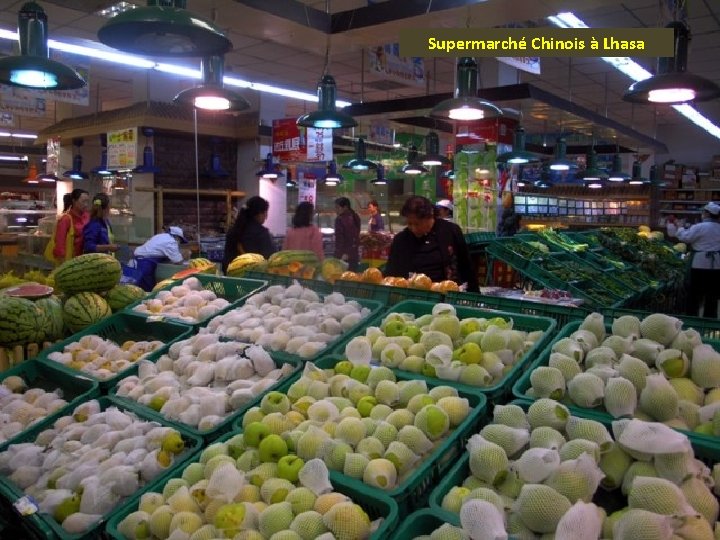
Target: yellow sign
[(122, 149)]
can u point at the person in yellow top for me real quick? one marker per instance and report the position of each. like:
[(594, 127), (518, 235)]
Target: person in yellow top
[(97, 234), (67, 242)]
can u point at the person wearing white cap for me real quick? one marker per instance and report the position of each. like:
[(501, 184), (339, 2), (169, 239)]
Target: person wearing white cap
[(162, 247), (704, 238), (444, 209)]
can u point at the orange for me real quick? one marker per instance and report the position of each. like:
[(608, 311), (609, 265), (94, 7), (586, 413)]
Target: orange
[(448, 285), (436, 286), (421, 281), (372, 275), (350, 276), (402, 282), (390, 281)]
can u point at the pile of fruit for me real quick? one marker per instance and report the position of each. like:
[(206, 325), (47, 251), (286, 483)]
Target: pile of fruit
[(649, 369), (201, 381), (538, 473), (360, 420), (9, 279), (21, 406), (188, 302), (415, 281), (292, 319), (88, 463), (102, 358), (474, 350), (227, 494)]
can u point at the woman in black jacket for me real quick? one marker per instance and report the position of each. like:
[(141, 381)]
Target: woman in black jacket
[(431, 246), (247, 234)]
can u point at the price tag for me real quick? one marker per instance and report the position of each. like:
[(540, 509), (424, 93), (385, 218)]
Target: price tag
[(26, 506), (155, 318)]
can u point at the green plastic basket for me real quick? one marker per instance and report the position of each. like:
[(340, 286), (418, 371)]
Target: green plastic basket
[(75, 389), (413, 492), (119, 328), (561, 314), (503, 387), (224, 426), (388, 296), (523, 385), (234, 290), (708, 328), (44, 526), (376, 504), (320, 287), (422, 523)]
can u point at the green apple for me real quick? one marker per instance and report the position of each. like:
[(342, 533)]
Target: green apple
[(395, 328), (255, 432), (289, 468), (157, 402), (272, 448), (468, 326), (360, 372), (173, 442), (67, 507), (344, 367), (253, 414), (413, 332), (474, 337), (470, 353), (428, 370), (706, 428), (236, 446), (229, 518), (365, 405), (275, 402)]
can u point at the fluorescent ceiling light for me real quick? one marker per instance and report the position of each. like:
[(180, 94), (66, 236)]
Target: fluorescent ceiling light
[(637, 73), (23, 135), (13, 158), (100, 52)]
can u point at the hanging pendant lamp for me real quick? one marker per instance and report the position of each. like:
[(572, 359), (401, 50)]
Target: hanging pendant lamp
[(211, 95), (432, 156), (380, 179), (518, 155), (593, 177), (76, 173), (360, 162), (617, 174), (32, 68), (672, 84), (413, 166), (216, 169), (148, 164), (560, 162), (465, 106), (332, 177), (164, 28), (637, 179), (270, 170), (290, 181)]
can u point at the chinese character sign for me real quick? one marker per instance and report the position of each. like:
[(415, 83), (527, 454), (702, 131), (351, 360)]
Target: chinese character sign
[(122, 149), (386, 61), (319, 144), (288, 140), (307, 188)]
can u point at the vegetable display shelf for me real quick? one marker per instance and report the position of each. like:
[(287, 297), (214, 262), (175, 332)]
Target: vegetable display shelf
[(119, 328), (422, 523), (415, 488), (234, 290), (222, 427), (39, 525), (376, 504), (75, 389), (387, 295), (610, 501), (523, 385)]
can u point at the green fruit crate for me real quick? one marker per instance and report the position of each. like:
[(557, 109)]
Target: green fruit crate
[(523, 385), (119, 328), (234, 290), (422, 523), (320, 287), (39, 525), (377, 505), (480, 237), (224, 426), (500, 249), (413, 492), (502, 388), (561, 314), (75, 389), (387, 295), (708, 328)]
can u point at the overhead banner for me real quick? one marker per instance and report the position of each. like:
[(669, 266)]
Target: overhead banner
[(122, 149), (531, 64), (386, 61), (307, 188), (21, 102), (319, 144), (291, 143)]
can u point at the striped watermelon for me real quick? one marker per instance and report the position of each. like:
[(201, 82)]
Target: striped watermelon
[(92, 272), (84, 309), (53, 309), (21, 322), (123, 295)]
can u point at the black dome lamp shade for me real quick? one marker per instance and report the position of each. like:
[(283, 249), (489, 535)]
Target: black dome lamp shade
[(148, 164), (672, 84), (380, 179), (269, 171), (211, 95), (465, 106), (560, 162), (102, 169), (617, 174), (332, 177), (518, 155), (432, 156), (32, 68), (412, 166), (637, 179), (164, 28), (327, 116), (290, 183), (592, 176), (360, 161), (76, 173)]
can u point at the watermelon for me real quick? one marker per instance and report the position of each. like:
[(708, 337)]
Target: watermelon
[(92, 272), (53, 309), (21, 322), (121, 296), (84, 309)]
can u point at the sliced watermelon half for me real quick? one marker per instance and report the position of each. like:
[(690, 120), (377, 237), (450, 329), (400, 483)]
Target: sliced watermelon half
[(30, 290)]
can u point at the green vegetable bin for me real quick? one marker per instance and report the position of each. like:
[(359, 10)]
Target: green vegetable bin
[(224, 426), (234, 290), (503, 387), (75, 389), (422, 523), (44, 526), (119, 328), (387, 295), (523, 385), (320, 287), (412, 493), (377, 505)]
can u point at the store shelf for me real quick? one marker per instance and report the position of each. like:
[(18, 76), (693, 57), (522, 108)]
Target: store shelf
[(666, 211), (684, 201)]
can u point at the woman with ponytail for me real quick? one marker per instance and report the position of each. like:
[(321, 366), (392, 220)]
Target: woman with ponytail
[(97, 234), (247, 234)]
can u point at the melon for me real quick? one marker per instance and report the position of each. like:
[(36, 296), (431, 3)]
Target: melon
[(247, 262), (85, 309), (331, 269), (55, 328), (92, 272), (121, 296), (21, 322), (162, 284)]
